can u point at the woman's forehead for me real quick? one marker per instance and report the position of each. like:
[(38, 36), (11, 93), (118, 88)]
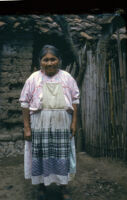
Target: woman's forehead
[(49, 55)]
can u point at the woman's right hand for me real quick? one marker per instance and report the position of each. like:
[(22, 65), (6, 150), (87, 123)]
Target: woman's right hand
[(27, 134)]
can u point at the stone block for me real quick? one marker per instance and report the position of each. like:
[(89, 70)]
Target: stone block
[(14, 94), (5, 137), (17, 136), (13, 121), (91, 17), (11, 148), (19, 67)]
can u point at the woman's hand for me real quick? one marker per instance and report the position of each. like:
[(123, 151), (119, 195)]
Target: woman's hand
[(73, 129), (26, 119), (27, 133)]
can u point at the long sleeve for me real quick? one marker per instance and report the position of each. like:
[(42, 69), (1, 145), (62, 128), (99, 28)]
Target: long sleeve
[(74, 91), (26, 94)]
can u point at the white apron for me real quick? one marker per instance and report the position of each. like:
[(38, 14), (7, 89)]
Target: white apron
[(53, 99)]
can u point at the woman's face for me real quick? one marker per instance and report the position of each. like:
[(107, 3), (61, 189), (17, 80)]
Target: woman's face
[(50, 64)]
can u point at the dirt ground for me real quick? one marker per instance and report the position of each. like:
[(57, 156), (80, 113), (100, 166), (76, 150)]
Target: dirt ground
[(96, 179)]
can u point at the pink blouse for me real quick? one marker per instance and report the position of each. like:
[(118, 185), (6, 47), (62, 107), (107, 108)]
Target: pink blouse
[(32, 93)]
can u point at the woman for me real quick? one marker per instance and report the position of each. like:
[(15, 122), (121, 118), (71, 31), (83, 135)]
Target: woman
[(49, 101)]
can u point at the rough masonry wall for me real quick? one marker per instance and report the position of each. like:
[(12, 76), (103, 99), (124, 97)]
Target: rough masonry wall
[(15, 67)]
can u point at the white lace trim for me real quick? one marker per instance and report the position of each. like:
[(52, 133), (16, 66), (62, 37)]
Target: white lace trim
[(24, 105), (52, 178)]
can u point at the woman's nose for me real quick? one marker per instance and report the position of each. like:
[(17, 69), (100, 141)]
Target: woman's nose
[(49, 62)]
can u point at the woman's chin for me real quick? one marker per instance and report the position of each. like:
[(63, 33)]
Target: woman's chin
[(50, 73)]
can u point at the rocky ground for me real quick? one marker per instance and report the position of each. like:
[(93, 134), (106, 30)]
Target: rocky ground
[(96, 179)]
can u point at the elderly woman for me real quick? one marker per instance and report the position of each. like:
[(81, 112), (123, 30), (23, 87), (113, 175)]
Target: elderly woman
[(49, 101)]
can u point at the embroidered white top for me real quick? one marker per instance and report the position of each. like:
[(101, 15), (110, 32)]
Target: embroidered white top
[(32, 93)]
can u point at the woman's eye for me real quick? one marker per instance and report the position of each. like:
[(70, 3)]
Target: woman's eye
[(52, 60), (45, 60)]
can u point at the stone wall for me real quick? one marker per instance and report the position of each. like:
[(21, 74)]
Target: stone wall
[(15, 66)]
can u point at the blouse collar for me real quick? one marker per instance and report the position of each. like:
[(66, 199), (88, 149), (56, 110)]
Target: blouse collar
[(42, 72)]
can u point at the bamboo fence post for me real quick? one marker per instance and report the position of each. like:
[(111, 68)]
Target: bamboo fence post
[(115, 112), (111, 106), (125, 106), (103, 103), (98, 110), (88, 103)]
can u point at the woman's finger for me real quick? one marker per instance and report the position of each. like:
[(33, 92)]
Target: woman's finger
[(27, 138), (72, 133)]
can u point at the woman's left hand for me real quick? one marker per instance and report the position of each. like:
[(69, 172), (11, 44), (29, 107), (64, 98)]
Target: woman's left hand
[(73, 129)]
